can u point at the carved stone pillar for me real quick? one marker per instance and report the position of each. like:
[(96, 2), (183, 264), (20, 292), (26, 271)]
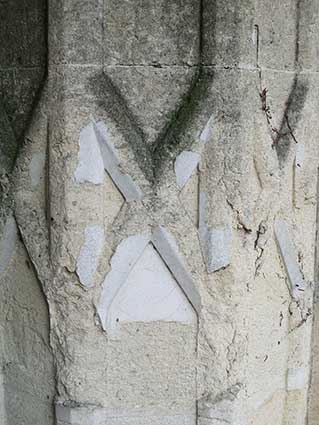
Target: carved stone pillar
[(167, 200)]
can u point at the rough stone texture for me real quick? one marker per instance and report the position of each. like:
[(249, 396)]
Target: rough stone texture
[(162, 32), (27, 375), (153, 369), (27, 372), (234, 82), (22, 62)]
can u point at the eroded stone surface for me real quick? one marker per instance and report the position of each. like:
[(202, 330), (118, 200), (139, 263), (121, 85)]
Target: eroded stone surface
[(152, 34), (27, 377), (250, 331)]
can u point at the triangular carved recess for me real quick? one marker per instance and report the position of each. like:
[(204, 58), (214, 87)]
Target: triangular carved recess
[(154, 108), (138, 263), (150, 294)]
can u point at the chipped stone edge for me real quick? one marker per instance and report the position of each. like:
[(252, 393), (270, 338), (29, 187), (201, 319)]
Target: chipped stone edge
[(125, 184), (287, 252)]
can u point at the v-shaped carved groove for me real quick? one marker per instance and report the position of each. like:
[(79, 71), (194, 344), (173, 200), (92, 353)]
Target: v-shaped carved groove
[(120, 114), (168, 142)]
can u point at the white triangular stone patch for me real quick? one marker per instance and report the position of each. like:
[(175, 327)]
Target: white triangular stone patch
[(150, 293)]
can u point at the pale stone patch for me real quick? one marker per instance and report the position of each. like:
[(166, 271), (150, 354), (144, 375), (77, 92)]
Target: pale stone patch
[(185, 164), (300, 155), (90, 168), (8, 243), (297, 378), (218, 248), (207, 132), (145, 285), (36, 168), (125, 257), (90, 252), (288, 254), (151, 294), (97, 155), (94, 415), (169, 251), (216, 242), (129, 189)]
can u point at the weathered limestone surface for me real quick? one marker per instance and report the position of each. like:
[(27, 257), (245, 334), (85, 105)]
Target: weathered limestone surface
[(166, 195), (27, 372)]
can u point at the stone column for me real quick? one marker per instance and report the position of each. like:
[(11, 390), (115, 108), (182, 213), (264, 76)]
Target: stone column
[(124, 304), (174, 236)]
